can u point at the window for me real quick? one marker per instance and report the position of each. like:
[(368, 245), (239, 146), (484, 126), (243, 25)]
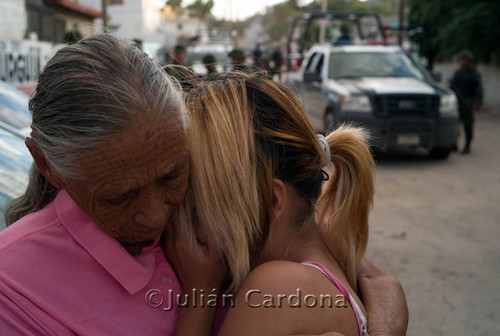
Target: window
[(60, 30), (315, 63), (47, 33), (34, 23), (372, 64), (309, 65)]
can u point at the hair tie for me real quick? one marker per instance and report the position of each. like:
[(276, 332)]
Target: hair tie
[(324, 145)]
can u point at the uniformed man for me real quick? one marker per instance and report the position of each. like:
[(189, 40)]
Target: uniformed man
[(467, 86), (238, 61), (210, 64), (178, 70)]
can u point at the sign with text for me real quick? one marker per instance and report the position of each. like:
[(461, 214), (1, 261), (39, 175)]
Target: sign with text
[(20, 61)]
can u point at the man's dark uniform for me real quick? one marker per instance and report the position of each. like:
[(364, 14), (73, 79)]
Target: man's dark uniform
[(467, 86)]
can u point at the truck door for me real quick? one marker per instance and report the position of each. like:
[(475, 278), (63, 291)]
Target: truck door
[(314, 97)]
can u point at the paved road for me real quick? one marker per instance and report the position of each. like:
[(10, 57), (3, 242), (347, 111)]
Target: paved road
[(436, 226)]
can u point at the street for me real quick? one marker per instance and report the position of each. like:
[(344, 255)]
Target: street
[(435, 225)]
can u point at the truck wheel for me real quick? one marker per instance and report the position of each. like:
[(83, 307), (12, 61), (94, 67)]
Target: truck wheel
[(439, 153)]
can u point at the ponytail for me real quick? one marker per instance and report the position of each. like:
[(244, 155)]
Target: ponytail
[(347, 197), (38, 194)]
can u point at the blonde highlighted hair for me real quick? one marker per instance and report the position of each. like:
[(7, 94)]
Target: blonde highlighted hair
[(347, 197), (222, 183), (246, 130)]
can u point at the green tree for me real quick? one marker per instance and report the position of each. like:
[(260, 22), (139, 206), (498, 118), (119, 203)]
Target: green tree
[(386, 7), (426, 16), (175, 4), (278, 18), (449, 26), (339, 5), (474, 26), (201, 9)]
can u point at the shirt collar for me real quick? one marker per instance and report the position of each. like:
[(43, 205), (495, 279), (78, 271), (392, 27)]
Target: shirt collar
[(132, 272)]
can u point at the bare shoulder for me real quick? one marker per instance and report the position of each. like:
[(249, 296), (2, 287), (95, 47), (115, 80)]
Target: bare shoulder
[(279, 274), (300, 297)]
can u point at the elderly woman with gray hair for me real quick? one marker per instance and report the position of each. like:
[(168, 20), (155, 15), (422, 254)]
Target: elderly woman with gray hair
[(85, 251)]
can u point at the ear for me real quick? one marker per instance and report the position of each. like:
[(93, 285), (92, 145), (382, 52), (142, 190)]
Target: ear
[(279, 198), (42, 164)]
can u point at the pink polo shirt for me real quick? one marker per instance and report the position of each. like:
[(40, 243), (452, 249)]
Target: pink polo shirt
[(61, 275)]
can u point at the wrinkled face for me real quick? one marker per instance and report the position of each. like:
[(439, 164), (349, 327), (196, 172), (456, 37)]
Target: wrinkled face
[(133, 184)]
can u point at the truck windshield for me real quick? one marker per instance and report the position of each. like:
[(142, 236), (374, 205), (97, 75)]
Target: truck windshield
[(372, 64)]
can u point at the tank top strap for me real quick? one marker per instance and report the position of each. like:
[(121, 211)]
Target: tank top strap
[(329, 275), (360, 318)]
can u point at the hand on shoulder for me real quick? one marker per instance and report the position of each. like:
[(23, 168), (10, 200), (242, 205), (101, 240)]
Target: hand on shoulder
[(384, 300)]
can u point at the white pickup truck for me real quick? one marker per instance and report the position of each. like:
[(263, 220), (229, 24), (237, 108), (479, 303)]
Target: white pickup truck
[(381, 88)]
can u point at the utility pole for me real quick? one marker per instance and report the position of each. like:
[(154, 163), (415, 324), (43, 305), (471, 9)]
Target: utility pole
[(324, 5), (104, 16), (401, 21)]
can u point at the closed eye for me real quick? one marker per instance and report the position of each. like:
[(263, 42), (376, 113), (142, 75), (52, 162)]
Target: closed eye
[(171, 176), (120, 199)]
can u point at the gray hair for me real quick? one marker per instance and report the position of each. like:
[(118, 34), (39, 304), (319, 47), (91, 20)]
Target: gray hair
[(87, 93)]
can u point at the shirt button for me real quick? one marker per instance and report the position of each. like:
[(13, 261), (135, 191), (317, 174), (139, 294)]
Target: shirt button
[(167, 280)]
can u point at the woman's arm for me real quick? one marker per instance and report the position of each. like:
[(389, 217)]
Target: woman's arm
[(384, 300)]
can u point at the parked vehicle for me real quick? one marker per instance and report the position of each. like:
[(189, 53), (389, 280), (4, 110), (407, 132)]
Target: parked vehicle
[(15, 162), (196, 53), (381, 88), (332, 27), (14, 111)]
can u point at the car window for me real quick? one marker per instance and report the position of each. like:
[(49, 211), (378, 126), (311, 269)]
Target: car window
[(196, 57), (311, 61), (14, 107), (315, 63), (15, 162), (372, 64)]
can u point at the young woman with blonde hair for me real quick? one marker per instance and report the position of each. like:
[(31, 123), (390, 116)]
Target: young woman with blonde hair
[(288, 209)]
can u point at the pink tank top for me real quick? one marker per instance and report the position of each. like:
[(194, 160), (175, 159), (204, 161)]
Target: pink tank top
[(360, 317)]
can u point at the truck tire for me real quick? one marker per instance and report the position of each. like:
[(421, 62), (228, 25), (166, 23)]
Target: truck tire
[(439, 153)]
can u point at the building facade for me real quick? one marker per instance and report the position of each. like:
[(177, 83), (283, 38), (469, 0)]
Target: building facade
[(32, 30)]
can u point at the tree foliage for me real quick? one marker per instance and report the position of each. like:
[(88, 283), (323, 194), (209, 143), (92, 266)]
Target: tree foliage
[(201, 9), (340, 5), (278, 18), (450, 26), (175, 4), (385, 7)]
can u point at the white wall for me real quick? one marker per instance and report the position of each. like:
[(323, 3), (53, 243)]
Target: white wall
[(135, 19), (12, 19), (128, 17)]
